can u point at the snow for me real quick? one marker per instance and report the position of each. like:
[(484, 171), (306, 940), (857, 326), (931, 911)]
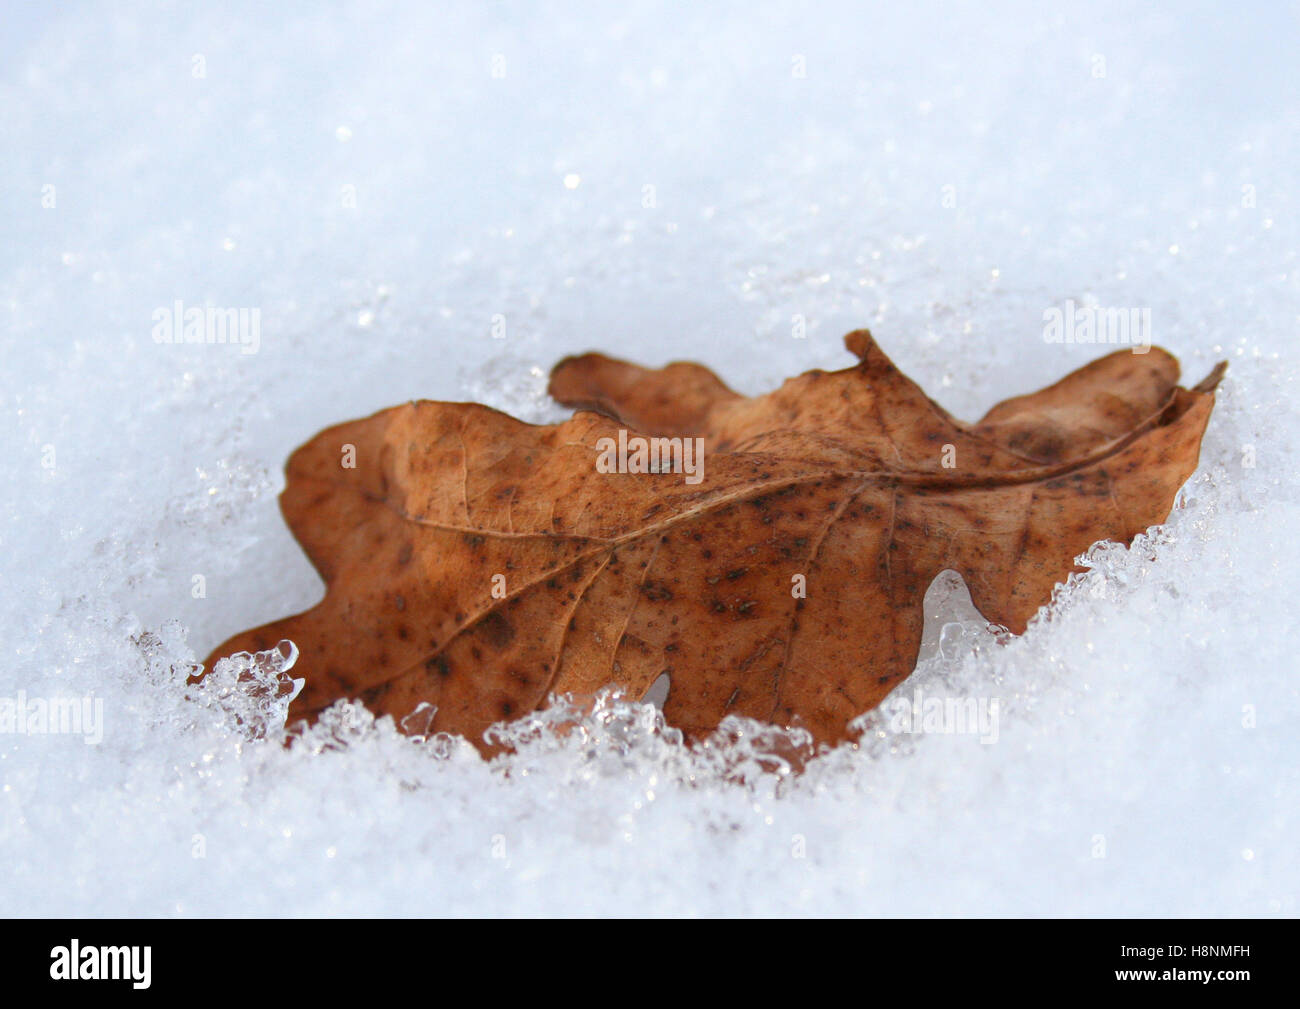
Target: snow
[(442, 203)]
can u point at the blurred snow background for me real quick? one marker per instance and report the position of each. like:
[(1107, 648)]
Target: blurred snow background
[(382, 180)]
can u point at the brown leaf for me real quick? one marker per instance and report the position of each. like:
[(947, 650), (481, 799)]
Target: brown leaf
[(851, 482)]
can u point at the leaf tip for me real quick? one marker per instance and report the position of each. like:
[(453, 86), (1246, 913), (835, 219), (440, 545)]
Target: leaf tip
[(860, 342), (1210, 381)]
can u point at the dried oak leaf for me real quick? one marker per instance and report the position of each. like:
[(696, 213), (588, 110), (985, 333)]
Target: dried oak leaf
[(786, 586)]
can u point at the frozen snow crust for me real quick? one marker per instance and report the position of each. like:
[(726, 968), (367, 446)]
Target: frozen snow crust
[(442, 203)]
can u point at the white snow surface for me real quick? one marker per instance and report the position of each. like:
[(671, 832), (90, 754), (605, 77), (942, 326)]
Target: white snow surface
[(381, 180)]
